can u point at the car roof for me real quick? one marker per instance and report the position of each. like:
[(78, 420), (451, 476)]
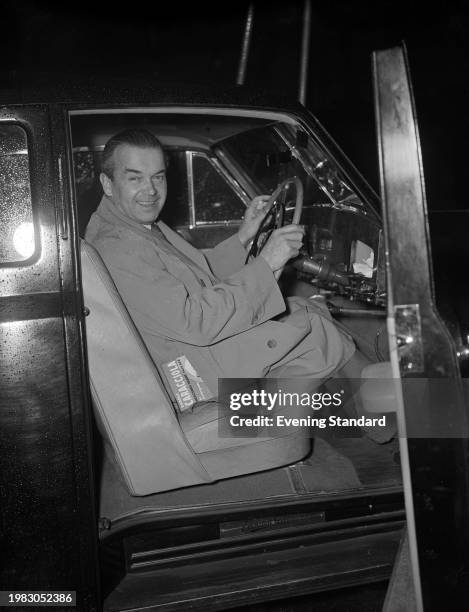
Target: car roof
[(93, 91)]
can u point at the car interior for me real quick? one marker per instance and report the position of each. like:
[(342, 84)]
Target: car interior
[(153, 459)]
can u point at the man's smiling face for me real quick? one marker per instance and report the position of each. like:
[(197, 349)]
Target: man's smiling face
[(138, 183)]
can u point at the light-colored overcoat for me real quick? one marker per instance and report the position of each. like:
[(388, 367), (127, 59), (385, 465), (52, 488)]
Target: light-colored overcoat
[(227, 318)]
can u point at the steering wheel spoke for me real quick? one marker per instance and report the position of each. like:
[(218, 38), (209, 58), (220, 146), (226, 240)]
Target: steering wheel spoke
[(275, 216)]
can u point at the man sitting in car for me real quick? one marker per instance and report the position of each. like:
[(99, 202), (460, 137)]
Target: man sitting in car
[(222, 317)]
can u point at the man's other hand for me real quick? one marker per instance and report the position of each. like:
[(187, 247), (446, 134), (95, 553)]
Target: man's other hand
[(255, 212), (283, 244)]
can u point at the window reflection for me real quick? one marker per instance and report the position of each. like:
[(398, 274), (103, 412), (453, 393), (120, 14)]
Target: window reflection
[(16, 219), (23, 240)]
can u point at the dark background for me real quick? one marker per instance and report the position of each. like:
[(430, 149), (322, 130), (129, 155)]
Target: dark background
[(200, 42)]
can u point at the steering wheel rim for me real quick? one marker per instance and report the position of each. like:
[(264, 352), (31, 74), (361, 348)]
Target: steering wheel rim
[(272, 204)]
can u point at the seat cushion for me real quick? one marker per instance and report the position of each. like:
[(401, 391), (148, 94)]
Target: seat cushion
[(225, 456)]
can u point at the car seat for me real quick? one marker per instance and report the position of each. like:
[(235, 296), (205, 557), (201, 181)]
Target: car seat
[(156, 448)]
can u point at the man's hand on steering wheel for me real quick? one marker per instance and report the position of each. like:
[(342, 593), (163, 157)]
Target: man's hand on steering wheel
[(283, 244), (253, 217)]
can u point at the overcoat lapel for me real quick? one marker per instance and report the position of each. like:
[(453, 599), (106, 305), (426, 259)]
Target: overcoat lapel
[(191, 257), (184, 247)]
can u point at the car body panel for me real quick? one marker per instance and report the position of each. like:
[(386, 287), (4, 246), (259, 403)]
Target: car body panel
[(434, 432), (55, 477), (46, 497), (62, 334)]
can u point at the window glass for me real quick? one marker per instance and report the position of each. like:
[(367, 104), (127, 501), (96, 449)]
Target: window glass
[(176, 209), (16, 216), (215, 199), (268, 160), (86, 168)]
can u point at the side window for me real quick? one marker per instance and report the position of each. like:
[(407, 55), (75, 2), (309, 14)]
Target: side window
[(176, 209), (86, 167), (214, 198), (16, 216)]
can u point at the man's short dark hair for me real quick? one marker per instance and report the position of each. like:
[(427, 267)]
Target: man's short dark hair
[(136, 137)]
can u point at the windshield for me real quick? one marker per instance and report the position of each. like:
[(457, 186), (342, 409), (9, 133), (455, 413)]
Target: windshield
[(268, 155)]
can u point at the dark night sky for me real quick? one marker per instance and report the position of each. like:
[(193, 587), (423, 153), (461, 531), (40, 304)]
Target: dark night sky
[(201, 43)]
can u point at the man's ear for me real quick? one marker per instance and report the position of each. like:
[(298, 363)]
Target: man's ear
[(106, 183)]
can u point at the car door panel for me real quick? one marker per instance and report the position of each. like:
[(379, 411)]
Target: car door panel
[(431, 413), (47, 538)]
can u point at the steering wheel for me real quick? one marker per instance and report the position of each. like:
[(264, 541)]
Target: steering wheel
[(275, 214)]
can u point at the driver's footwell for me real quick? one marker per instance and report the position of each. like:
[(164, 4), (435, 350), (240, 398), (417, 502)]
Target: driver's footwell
[(336, 465), (326, 469)]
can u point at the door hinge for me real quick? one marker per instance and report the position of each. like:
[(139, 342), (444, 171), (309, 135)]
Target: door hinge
[(409, 338)]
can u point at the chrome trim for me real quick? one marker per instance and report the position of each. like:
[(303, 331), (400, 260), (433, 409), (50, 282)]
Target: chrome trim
[(296, 154), (309, 169), (368, 208), (232, 223), (63, 219), (219, 169), (190, 110), (190, 189), (242, 179), (315, 205), (243, 196)]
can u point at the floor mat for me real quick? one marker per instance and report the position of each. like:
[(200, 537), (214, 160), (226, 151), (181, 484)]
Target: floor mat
[(377, 465), (326, 470)]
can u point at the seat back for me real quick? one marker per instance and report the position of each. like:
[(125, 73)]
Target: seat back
[(132, 407)]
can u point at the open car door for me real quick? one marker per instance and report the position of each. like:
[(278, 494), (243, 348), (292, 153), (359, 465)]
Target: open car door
[(432, 415)]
